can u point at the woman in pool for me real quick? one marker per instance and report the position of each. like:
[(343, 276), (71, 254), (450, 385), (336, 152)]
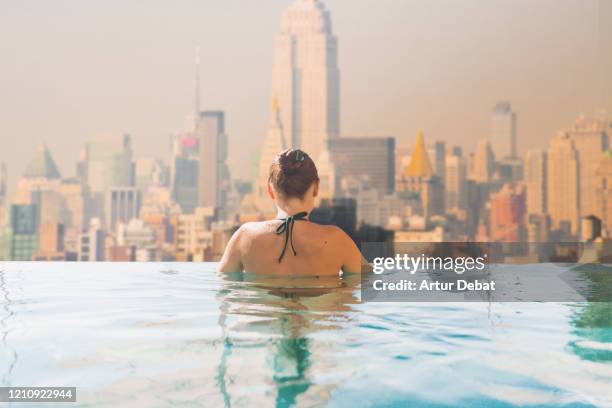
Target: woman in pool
[(291, 244)]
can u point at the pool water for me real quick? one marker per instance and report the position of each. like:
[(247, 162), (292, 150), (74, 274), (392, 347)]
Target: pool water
[(158, 335)]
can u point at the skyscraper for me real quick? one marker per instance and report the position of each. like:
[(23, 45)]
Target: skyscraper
[(590, 140), (503, 131), (184, 172), (603, 192), (24, 231), (74, 211), (275, 142), (306, 78), (455, 184), (440, 160), (437, 155), (213, 176), (483, 162), (563, 192), (536, 181)]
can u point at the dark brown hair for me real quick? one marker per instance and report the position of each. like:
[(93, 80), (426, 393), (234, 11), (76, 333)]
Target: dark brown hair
[(292, 173)]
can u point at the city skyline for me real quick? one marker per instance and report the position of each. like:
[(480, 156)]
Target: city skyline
[(276, 202), (369, 107)]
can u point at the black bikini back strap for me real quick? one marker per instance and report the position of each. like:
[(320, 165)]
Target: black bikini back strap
[(286, 227)]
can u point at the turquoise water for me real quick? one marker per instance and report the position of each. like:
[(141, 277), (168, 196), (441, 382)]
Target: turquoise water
[(157, 335)]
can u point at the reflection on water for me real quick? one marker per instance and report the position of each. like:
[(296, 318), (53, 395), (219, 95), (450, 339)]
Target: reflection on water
[(592, 324), (301, 307), (146, 335), (595, 278), (592, 321)]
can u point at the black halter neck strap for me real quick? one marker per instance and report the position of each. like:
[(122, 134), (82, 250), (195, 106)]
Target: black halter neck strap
[(287, 227)]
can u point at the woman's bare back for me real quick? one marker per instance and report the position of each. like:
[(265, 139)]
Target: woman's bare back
[(321, 250)]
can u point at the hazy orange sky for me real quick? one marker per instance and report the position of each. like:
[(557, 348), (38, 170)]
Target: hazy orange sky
[(71, 70)]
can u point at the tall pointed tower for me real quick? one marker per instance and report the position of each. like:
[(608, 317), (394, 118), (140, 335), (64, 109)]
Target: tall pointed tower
[(419, 177), (306, 78), (419, 165), (274, 144)]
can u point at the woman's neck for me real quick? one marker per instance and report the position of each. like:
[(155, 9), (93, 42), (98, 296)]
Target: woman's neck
[(290, 208)]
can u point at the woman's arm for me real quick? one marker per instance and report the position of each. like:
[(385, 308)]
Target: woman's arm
[(352, 260), (231, 260)]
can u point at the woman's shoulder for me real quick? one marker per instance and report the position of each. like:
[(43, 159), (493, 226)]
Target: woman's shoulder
[(253, 228), (331, 231), (256, 227)]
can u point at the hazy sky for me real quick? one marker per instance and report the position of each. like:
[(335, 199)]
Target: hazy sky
[(72, 70)]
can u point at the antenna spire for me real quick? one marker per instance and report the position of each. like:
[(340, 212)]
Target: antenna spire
[(197, 83)]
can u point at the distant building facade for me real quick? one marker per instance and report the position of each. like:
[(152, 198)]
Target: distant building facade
[(482, 166), (590, 140), (455, 185), (92, 243), (503, 131), (193, 234), (536, 179), (508, 214), (603, 193), (184, 172), (123, 204), (24, 225), (372, 157), (563, 192), (51, 243)]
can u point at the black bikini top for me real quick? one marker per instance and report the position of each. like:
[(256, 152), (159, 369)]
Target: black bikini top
[(287, 227)]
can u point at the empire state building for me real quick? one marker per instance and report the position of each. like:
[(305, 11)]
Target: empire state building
[(305, 77)]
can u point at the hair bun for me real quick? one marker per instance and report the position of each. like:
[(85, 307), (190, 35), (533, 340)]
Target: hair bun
[(291, 161), (292, 173)]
